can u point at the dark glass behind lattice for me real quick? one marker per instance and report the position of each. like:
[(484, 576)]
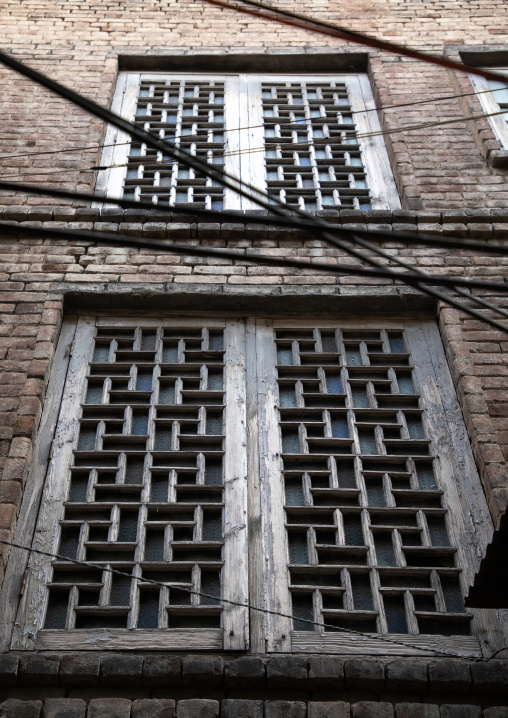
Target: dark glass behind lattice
[(146, 488), (313, 158), (368, 542)]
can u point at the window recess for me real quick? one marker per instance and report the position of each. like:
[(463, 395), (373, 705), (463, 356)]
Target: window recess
[(351, 502), (304, 139)]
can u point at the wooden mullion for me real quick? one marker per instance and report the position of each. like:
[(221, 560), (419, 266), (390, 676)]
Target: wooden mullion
[(256, 534), (275, 574), (456, 470), (235, 584)]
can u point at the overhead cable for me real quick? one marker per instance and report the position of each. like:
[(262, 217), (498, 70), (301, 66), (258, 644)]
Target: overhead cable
[(288, 220), (249, 127), (252, 150), (239, 255), (439, 295), (320, 228), (305, 22), (250, 606)]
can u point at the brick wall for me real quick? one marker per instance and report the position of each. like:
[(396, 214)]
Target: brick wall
[(78, 44), (36, 274), (446, 187), (162, 686)]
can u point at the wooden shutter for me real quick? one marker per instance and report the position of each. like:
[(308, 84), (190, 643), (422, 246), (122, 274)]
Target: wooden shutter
[(374, 515), (311, 141), (148, 476)]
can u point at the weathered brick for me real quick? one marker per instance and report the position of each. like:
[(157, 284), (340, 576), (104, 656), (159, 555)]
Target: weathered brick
[(364, 673), (78, 669), (205, 670), (245, 672), (456, 711), (326, 673), (449, 675), (14, 708), (496, 712), (491, 677), (116, 669), (162, 671), (329, 709), (286, 671), (64, 708), (8, 670), (109, 708), (416, 710), (406, 675), (372, 709), (236, 708), (39, 668), (153, 708), (285, 709), (197, 708)]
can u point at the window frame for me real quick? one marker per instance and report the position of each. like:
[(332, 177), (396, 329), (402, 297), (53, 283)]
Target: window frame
[(465, 499), (28, 632), (248, 111), (489, 104)]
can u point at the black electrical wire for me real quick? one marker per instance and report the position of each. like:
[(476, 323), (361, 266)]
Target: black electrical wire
[(248, 127), (236, 153), (221, 216), (305, 22), (219, 599), (238, 255), (70, 150), (226, 180), (440, 295)]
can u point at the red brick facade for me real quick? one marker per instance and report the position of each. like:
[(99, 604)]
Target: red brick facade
[(443, 175)]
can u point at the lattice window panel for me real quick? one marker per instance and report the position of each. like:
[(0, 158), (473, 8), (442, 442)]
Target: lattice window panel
[(146, 492), (369, 547), (296, 137), (190, 114), (352, 501), (313, 157), (139, 484)]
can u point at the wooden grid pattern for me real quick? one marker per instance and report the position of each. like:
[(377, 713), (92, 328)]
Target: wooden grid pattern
[(368, 543), (146, 489), (190, 114), (313, 158)]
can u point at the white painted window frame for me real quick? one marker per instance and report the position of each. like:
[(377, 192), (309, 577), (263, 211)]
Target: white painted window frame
[(253, 366), (488, 101), (243, 108)]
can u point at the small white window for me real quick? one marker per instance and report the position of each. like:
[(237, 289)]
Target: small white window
[(315, 468), (494, 98), (309, 141)]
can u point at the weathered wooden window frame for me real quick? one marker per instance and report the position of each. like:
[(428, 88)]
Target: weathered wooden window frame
[(488, 101), (244, 110), (262, 491)]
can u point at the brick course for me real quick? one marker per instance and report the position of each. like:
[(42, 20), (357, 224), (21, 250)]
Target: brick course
[(447, 186)]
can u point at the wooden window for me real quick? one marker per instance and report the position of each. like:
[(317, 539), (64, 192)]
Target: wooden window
[(494, 98), (149, 478), (308, 141), (318, 469)]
